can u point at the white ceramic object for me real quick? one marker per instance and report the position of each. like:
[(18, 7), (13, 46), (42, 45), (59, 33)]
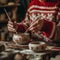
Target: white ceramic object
[(17, 38), (37, 46), (22, 38), (33, 45)]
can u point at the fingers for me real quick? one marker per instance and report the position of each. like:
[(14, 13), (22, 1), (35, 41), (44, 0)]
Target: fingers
[(10, 26), (37, 25), (35, 28), (34, 24), (11, 29)]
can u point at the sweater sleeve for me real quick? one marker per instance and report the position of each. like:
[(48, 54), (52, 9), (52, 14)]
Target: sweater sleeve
[(22, 26)]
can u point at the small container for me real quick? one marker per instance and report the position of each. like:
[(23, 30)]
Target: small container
[(22, 38), (17, 39), (37, 46)]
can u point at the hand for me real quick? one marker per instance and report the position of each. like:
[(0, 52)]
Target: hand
[(11, 26), (36, 25), (35, 28)]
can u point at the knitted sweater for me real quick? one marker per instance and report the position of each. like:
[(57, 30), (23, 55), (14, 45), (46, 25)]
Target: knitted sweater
[(42, 11)]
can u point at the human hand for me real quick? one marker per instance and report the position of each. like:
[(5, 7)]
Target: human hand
[(11, 26), (37, 25)]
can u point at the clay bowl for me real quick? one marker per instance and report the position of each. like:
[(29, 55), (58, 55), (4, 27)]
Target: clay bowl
[(22, 38), (37, 46)]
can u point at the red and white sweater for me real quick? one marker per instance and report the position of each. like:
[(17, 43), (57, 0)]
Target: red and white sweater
[(44, 11)]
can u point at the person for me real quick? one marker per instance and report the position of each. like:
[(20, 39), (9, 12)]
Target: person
[(43, 11)]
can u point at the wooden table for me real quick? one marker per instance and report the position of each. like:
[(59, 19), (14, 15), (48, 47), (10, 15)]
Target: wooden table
[(46, 55)]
